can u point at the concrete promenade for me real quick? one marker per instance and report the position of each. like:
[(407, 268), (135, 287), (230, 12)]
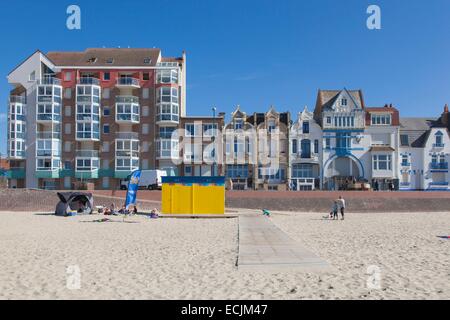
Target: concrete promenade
[(264, 247)]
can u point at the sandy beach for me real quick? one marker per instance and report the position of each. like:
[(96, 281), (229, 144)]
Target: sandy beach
[(145, 258)]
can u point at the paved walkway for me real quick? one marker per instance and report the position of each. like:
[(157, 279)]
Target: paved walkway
[(264, 247)]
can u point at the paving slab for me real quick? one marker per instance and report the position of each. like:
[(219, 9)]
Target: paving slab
[(265, 247)]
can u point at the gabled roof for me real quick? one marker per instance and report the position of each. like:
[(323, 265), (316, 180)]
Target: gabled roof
[(106, 57), (326, 98)]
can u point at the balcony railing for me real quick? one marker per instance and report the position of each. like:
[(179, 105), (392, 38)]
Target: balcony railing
[(48, 117), (439, 183), (94, 135), (128, 81), (406, 164), (16, 135), (48, 135), (439, 165), (127, 99), (17, 99), (127, 135), (87, 153), (438, 145), (17, 117), (89, 81), (50, 81)]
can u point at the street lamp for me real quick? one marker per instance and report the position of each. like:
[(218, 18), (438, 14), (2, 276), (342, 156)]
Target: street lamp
[(214, 109)]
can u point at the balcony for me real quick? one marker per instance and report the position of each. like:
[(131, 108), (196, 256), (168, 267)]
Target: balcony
[(439, 165), (49, 81), (89, 81), (48, 167), (87, 153), (438, 145), (48, 135), (17, 99), (16, 154), (48, 117), (86, 164), (128, 82), (127, 109), (127, 135)]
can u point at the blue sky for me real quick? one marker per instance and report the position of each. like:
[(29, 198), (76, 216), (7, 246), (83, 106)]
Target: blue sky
[(257, 53)]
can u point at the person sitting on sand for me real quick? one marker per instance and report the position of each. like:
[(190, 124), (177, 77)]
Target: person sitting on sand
[(154, 213)]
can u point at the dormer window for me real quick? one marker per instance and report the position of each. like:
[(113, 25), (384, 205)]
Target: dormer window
[(238, 124), (110, 61), (92, 60), (147, 61), (343, 102), (271, 125), (381, 119), (439, 140)]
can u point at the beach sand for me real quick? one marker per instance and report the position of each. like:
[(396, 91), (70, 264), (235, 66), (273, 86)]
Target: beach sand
[(145, 258)]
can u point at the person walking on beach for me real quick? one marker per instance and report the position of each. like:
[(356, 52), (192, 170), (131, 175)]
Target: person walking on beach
[(341, 202)]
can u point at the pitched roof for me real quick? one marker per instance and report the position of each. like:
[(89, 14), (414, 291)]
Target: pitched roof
[(100, 56), (326, 98), (417, 130)]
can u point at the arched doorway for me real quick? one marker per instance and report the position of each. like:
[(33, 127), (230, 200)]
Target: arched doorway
[(340, 172)]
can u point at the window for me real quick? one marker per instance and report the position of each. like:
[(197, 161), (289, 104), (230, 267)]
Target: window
[(210, 130), (305, 126), (105, 146), (106, 111), (306, 148), (106, 128), (327, 143), (294, 146), (145, 93), (167, 76), (405, 160), (382, 162), (237, 171), (68, 76), (271, 125), (145, 111), (106, 76), (188, 170), (316, 146), (67, 128), (343, 101), (145, 128), (190, 129), (302, 170), (270, 173), (167, 148), (67, 111), (110, 60), (147, 60), (87, 164), (146, 76), (67, 146), (32, 76), (238, 124), (166, 132), (439, 139), (328, 120), (67, 165), (381, 119), (105, 182), (68, 93), (106, 92), (404, 140)]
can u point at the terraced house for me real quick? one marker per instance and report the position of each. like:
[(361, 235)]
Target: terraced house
[(93, 116)]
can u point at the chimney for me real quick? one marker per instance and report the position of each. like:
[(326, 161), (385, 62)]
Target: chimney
[(444, 116)]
